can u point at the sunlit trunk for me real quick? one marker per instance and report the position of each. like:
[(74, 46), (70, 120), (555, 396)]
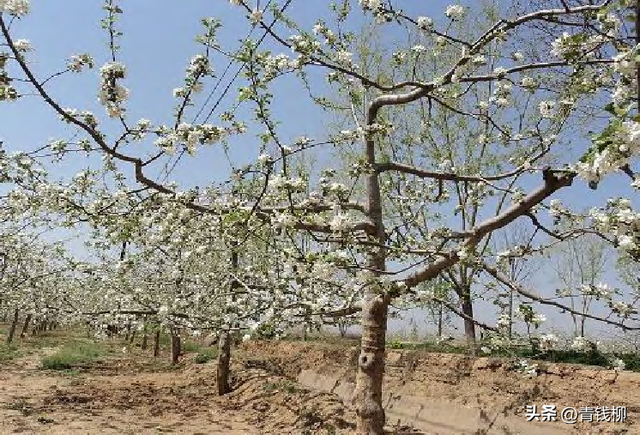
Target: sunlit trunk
[(370, 372), (368, 394)]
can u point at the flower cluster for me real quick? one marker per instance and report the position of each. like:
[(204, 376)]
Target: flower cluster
[(580, 344), (112, 95), (619, 219), (78, 62), (455, 12), (17, 8), (198, 68), (528, 369), (548, 342)]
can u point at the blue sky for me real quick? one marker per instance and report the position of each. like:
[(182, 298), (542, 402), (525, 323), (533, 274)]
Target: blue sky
[(157, 44)]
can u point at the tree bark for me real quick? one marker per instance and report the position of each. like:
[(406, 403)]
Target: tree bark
[(368, 393), (510, 330), (156, 344), (40, 327), (126, 334), (440, 314), (25, 326), (342, 328), (175, 347), (224, 340), (14, 324), (224, 360), (469, 325), (145, 338)]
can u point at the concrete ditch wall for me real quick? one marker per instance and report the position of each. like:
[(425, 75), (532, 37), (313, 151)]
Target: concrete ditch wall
[(456, 394), (432, 416)]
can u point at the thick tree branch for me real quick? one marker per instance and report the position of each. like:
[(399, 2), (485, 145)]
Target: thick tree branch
[(552, 182)]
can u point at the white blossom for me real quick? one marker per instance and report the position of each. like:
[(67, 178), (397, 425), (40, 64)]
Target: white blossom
[(618, 365), (455, 12), (18, 8), (255, 16), (22, 45), (546, 109), (425, 23), (538, 319), (580, 344), (548, 341)]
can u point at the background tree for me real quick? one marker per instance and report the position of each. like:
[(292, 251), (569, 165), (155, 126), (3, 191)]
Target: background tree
[(579, 265)]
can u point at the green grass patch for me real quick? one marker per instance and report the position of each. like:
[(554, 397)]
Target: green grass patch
[(428, 346), (73, 354), (165, 339), (8, 353), (592, 358), (568, 356), (191, 346), (205, 355)]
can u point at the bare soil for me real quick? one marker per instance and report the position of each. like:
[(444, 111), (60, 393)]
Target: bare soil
[(133, 393), (118, 396)]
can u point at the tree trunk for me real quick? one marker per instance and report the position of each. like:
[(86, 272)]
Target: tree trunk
[(440, 315), (224, 360), (342, 328), (368, 393), (14, 324), (469, 325), (156, 344), (175, 347), (25, 326), (510, 330), (224, 340), (145, 338), (38, 328), (132, 337), (126, 334)]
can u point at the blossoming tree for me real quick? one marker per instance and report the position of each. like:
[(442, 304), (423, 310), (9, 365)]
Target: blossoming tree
[(357, 236)]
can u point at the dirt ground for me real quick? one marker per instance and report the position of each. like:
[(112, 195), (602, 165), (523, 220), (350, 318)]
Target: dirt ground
[(133, 393), (116, 398)]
